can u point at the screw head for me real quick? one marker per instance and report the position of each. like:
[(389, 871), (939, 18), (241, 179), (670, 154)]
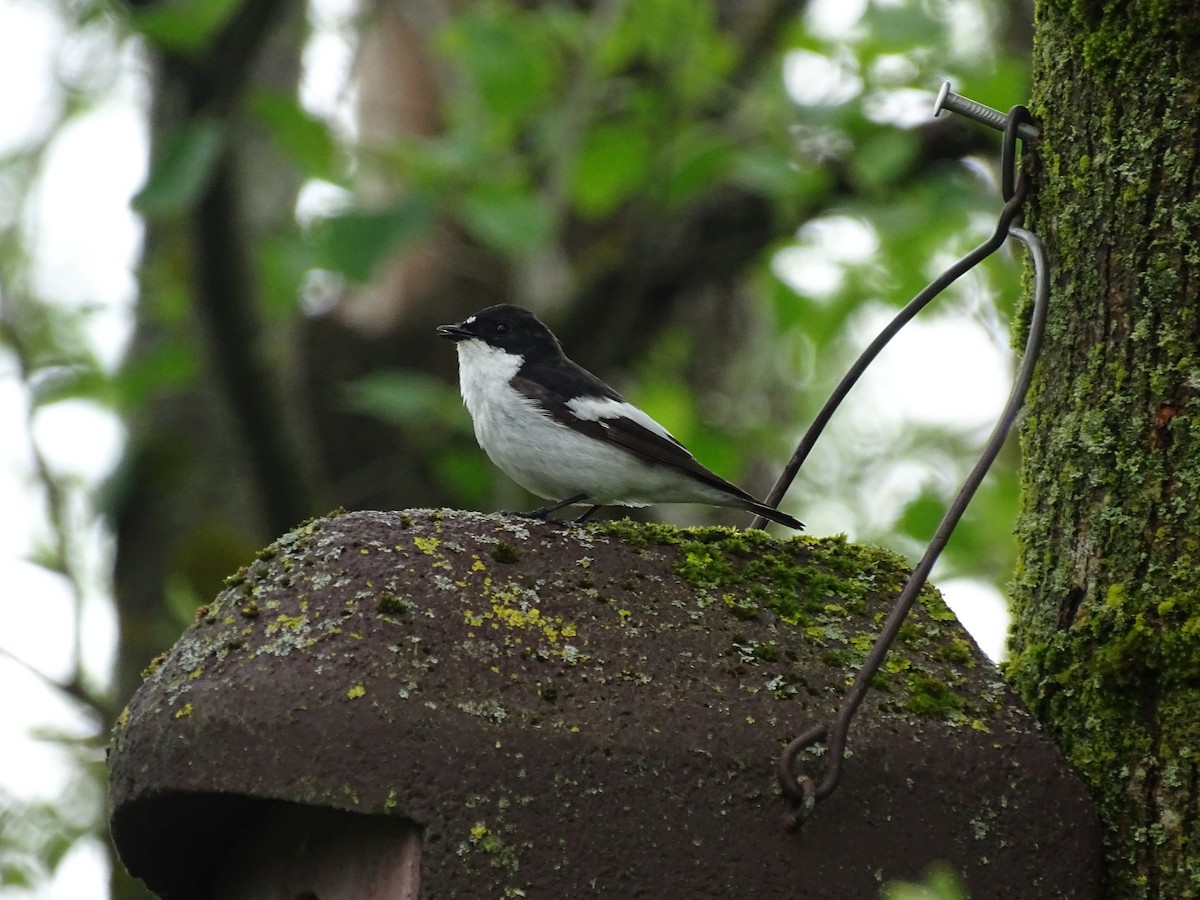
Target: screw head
[(940, 103)]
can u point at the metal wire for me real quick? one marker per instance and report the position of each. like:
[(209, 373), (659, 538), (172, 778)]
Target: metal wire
[(801, 790), (1014, 196)]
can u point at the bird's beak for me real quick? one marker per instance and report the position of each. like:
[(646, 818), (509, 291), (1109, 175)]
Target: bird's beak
[(454, 332)]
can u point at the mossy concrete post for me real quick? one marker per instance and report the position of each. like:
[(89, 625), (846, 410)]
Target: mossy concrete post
[(451, 704)]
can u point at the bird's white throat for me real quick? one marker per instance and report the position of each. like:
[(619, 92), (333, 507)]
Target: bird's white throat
[(484, 373)]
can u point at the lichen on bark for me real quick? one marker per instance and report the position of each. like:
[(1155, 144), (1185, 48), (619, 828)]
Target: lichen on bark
[(1106, 639)]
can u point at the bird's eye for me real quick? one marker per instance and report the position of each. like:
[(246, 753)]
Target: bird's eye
[(501, 328)]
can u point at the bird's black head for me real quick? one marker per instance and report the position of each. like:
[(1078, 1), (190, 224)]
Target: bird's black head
[(508, 327)]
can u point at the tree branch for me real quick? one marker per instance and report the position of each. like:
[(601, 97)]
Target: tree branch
[(72, 687), (226, 302), (226, 296)]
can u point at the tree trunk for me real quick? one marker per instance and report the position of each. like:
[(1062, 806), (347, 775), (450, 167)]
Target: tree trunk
[(1106, 609), (207, 473)]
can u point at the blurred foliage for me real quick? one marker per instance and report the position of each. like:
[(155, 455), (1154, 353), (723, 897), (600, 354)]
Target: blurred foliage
[(557, 118), (185, 26), (183, 166), (940, 883)]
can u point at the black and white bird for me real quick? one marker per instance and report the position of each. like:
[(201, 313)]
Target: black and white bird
[(560, 432)]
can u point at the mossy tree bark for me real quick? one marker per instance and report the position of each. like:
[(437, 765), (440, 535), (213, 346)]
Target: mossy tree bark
[(1106, 640)]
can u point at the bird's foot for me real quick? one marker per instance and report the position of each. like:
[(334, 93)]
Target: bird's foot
[(587, 514), (542, 513)]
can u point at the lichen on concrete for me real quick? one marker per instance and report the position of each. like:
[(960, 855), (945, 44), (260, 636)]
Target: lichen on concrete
[(443, 666)]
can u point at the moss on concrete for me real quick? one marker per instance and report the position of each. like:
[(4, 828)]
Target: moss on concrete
[(812, 590), (395, 658)]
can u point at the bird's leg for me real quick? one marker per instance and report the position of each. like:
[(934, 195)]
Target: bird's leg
[(544, 511), (588, 513)]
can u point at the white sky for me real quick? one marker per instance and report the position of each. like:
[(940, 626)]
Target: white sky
[(87, 242)]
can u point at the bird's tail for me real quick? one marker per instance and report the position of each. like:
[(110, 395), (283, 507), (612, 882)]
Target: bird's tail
[(770, 512)]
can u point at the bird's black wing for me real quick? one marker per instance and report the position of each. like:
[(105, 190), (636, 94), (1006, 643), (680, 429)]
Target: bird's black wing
[(553, 383), (559, 379)]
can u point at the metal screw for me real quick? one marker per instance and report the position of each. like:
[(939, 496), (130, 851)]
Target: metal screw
[(993, 118)]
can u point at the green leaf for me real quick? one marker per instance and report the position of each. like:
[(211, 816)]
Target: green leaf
[(15, 875), (408, 399), (467, 471), (611, 166), (502, 57), (941, 882), (882, 158), (184, 26), (921, 517), (355, 243), (168, 364), (57, 846), (777, 175), (698, 160), (303, 137), (189, 153), (73, 382), (896, 28), (181, 598), (284, 260), (680, 38), (506, 217), (50, 335)]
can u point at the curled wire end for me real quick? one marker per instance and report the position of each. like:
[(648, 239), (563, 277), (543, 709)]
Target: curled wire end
[(796, 816), (800, 789)]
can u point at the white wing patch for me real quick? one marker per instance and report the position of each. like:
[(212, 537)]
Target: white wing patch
[(597, 409)]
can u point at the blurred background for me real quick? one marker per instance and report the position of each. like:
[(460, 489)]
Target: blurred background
[(228, 228)]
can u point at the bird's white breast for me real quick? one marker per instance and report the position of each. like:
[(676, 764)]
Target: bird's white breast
[(517, 435)]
